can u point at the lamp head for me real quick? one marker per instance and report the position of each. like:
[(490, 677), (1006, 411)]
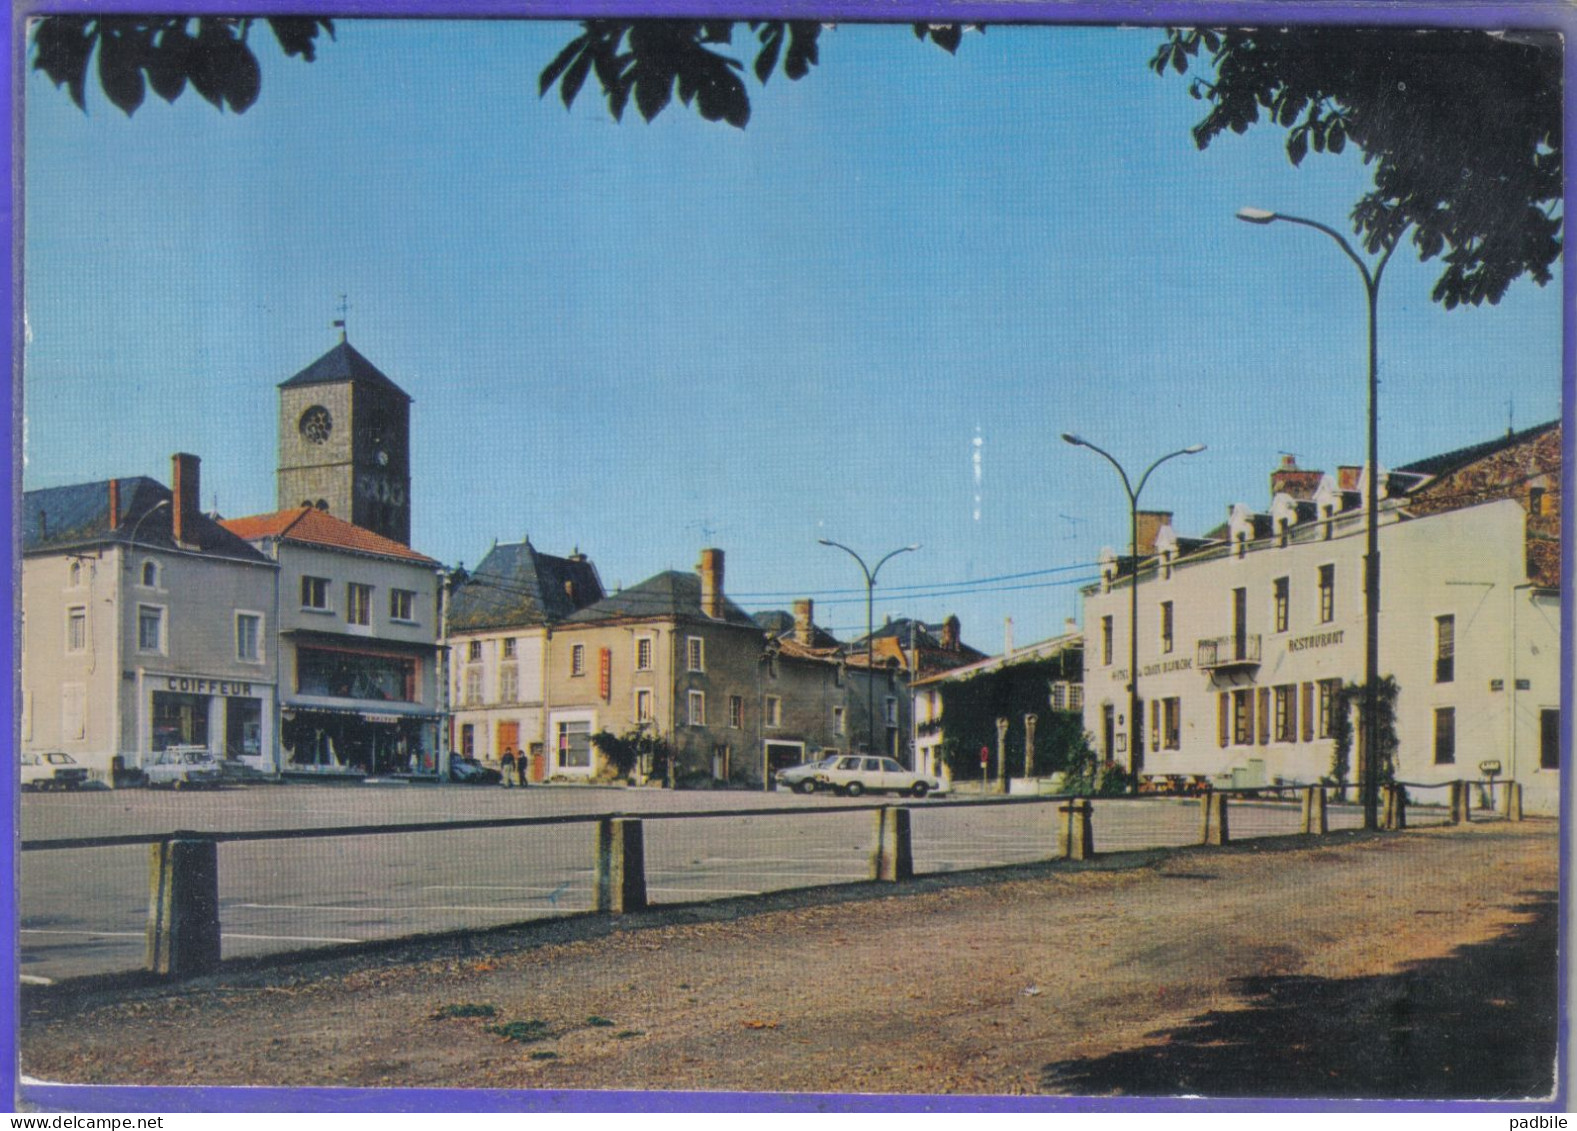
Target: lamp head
[(1070, 438), (1193, 449), (1256, 216), (824, 542)]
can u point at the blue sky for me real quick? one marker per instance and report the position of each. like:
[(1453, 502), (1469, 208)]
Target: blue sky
[(867, 317)]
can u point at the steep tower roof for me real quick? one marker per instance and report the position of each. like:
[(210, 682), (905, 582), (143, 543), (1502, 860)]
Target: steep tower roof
[(340, 364)]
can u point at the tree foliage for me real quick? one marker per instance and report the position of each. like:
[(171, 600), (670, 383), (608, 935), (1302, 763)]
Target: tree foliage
[(1462, 129), (212, 54), (1343, 730), (971, 707), (638, 748)]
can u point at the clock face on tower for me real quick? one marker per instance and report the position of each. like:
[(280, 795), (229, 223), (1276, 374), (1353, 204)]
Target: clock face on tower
[(316, 424)]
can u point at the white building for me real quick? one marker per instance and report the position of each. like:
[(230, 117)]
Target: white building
[(1245, 637), (357, 623), (145, 624)]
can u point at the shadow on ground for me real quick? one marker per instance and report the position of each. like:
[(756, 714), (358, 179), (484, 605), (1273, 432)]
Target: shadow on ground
[(1477, 1024)]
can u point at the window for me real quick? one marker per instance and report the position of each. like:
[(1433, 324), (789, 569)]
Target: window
[(1166, 626), (1240, 624), (473, 651), (150, 575), (736, 711), (643, 705), (509, 647), (1282, 587), (473, 686), (890, 711), (150, 628), (315, 593), (1327, 594), (839, 722), (1287, 713), (1329, 689), (358, 603), (1549, 739), (468, 740), (402, 605), (1445, 735), (697, 708), (1535, 500), (1445, 649), (1171, 724), (643, 654), (1106, 640), (695, 655), (76, 629), (508, 683), (577, 659), (1243, 717), (774, 711), (249, 637)]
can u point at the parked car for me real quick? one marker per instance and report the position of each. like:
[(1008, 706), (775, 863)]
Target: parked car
[(182, 767), (802, 778), (468, 771), (854, 774), (52, 771)]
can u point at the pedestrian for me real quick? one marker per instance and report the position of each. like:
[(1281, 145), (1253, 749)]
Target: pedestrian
[(507, 764)]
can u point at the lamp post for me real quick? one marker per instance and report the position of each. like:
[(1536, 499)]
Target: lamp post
[(1135, 730), (1371, 561), (870, 631)]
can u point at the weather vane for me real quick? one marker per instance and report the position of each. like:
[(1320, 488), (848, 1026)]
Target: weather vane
[(339, 323)]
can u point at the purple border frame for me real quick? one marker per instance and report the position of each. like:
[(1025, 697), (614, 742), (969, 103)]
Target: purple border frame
[(1546, 14)]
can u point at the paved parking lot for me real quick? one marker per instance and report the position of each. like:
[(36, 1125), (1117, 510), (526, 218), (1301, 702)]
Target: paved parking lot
[(84, 910)]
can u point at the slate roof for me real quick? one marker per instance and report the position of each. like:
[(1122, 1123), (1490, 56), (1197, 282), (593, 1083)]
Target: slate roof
[(56, 519), (343, 363), (668, 595), (1447, 462), (780, 625), (310, 526), (517, 586)]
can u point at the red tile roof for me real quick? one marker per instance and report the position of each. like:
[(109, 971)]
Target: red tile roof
[(313, 527)]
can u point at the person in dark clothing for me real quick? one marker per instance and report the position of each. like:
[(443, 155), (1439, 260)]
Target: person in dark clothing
[(507, 765)]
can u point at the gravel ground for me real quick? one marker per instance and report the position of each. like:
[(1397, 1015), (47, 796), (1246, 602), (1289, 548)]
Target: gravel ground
[(1369, 965)]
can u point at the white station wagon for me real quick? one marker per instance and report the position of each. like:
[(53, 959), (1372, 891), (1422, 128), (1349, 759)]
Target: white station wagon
[(854, 774)]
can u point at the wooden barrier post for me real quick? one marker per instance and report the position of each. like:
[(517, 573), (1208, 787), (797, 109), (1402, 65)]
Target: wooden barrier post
[(1213, 819), (183, 905), (893, 859), (1461, 803), (1077, 840), (1511, 802), (1314, 818), (1395, 808), (621, 866)]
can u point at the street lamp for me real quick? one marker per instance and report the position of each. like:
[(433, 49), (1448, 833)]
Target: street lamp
[(1371, 561), (1135, 730), (131, 540), (870, 631)]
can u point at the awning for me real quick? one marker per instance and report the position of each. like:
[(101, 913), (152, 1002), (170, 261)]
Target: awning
[(386, 713)]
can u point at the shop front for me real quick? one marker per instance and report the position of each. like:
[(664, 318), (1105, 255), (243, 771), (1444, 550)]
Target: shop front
[(355, 712), (231, 717)]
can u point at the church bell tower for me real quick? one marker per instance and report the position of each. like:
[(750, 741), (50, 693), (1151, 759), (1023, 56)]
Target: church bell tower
[(344, 443)]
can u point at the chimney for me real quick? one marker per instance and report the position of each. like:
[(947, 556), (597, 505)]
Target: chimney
[(1347, 478), (950, 634), (711, 571), (1293, 481), (805, 622), (1150, 524), (114, 504), (1007, 636), (185, 481)]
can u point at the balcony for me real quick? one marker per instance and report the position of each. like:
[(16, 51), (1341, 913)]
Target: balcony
[(1229, 652)]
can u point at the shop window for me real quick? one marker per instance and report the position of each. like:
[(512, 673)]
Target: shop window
[(1445, 649), (402, 605), (244, 728), (150, 628), (249, 637), (315, 593), (358, 603), (1445, 736), (574, 745), (76, 629), (179, 719)]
